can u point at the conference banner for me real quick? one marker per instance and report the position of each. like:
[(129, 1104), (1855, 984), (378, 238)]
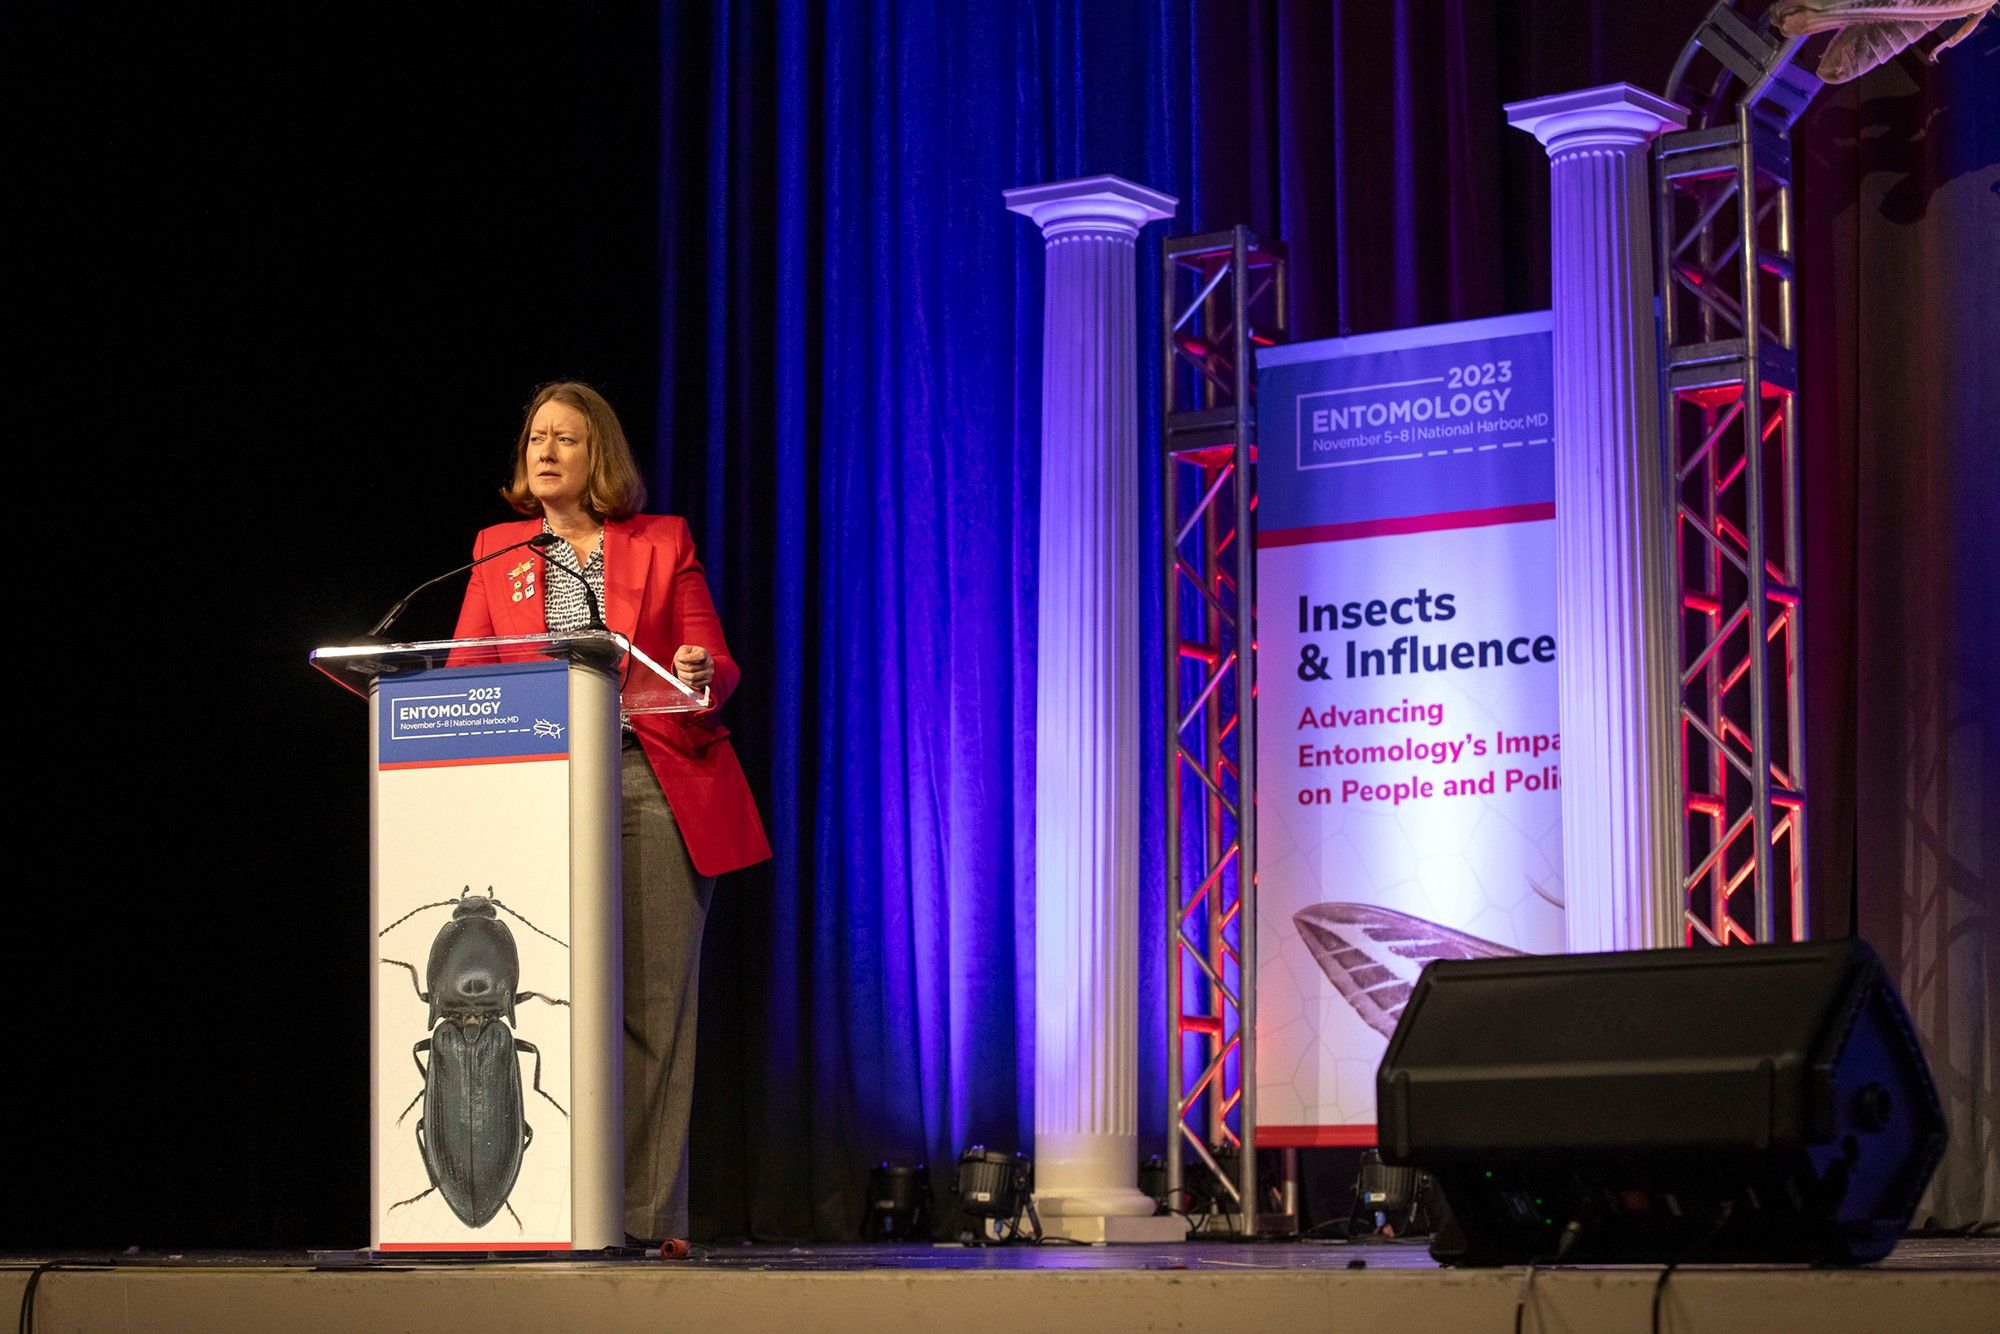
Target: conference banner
[(1407, 749)]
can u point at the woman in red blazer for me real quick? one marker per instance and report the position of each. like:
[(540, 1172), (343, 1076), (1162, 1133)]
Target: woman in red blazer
[(688, 812)]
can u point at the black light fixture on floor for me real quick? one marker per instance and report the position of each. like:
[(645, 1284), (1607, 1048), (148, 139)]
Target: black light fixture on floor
[(1153, 1180), (1209, 1191), (1389, 1202), (898, 1203), (994, 1191)]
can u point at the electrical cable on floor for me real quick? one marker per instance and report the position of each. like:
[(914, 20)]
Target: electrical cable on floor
[(1728, 1212), (1571, 1231), (1521, 1302), (1660, 1291), (1312, 1234), (27, 1317), (1985, 1227)]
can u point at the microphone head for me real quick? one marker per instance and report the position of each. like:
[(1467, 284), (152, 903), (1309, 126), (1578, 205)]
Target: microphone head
[(541, 541)]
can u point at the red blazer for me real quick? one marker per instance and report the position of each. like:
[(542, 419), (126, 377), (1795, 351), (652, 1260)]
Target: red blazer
[(655, 592)]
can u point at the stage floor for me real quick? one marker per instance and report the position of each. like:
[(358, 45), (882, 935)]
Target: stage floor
[(1934, 1286)]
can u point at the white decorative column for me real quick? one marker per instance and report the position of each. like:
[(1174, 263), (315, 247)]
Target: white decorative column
[(1615, 614), (1087, 794)]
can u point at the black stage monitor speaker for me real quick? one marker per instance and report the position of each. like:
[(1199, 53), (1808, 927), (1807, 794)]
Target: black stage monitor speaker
[(1758, 1103)]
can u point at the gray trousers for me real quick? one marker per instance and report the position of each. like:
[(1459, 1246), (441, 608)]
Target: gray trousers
[(666, 905)]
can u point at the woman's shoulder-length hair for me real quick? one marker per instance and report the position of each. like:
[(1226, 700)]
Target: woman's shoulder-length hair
[(615, 489)]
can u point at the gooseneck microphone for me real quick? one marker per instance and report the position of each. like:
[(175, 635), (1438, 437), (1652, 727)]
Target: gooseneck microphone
[(539, 541)]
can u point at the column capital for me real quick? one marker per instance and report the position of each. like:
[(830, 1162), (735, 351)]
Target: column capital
[(1090, 203), (1616, 115)]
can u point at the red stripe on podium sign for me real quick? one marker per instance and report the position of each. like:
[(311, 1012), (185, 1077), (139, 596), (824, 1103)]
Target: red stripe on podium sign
[(460, 764), (475, 1248), (1414, 523)]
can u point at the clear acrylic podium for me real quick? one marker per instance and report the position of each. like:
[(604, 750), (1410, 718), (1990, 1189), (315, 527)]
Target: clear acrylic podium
[(645, 686), (495, 1003)]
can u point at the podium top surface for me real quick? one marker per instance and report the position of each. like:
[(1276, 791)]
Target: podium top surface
[(645, 687)]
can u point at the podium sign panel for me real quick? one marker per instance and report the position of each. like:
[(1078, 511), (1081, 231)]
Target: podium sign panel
[(472, 874)]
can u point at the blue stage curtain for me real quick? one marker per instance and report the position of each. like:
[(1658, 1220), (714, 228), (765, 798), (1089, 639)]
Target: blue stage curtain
[(851, 331), (850, 404)]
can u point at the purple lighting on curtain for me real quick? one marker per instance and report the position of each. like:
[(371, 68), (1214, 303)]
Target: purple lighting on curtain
[(855, 436), (863, 434)]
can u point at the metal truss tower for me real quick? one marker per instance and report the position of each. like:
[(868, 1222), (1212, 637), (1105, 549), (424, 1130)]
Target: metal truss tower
[(1224, 295), (1725, 230)]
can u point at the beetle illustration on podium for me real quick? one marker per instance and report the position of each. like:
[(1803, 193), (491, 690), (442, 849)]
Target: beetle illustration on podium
[(495, 1078), (473, 1130)]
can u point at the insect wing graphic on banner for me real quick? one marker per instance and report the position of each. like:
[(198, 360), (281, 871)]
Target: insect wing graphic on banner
[(1373, 955)]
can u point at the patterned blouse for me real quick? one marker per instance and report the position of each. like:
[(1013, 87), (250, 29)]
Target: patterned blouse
[(563, 602)]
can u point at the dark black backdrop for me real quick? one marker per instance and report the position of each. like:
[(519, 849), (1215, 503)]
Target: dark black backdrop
[(280, 271)]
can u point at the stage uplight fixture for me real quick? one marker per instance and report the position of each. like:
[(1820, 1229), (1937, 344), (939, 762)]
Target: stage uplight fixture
[(1153, 1180), (1389, 1202), (996, 1197), (898, 1202), (989, 1183)]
